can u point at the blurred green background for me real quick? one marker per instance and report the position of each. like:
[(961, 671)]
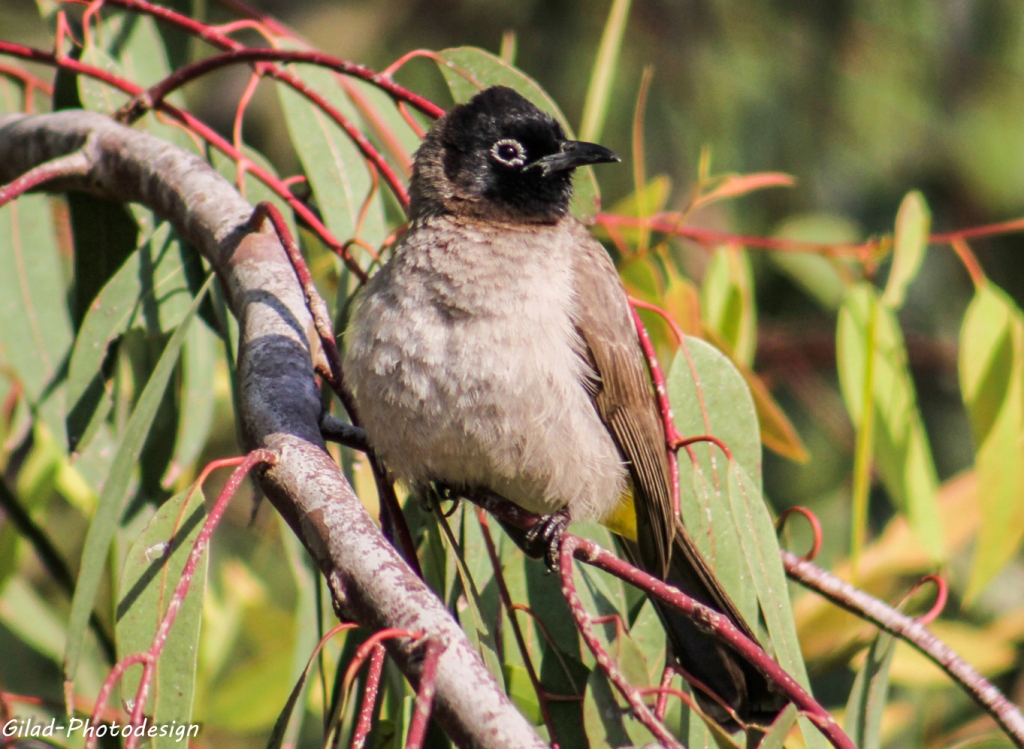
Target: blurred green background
[(860, 100)]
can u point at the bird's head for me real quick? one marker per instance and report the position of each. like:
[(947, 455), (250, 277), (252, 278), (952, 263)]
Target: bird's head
[(499, 157)]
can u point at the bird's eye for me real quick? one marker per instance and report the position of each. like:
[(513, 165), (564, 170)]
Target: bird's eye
[(509, 152)]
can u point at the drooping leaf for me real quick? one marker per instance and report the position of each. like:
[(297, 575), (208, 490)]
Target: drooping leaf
[(251, 188), (991, 366), (198, 396), (901, 448), (151, 289), (913, 222), (602, 75), (722, 504), (817, 275), (734, 185), (727, 302), (105, 519), (863, 721), (335, 168), (149, 579), (469, 70), (35, 329)]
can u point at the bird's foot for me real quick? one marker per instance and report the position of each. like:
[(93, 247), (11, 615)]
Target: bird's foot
[(545, 538)]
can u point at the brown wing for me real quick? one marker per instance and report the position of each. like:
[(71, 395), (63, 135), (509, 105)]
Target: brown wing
[(624, 396)]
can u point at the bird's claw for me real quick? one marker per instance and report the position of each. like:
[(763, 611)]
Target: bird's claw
[(545, 538)]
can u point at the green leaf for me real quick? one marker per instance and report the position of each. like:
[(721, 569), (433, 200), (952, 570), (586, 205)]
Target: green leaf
[(469, 70), (727, 302), (722, 504), (863, 721), (817, 275), (475, 625), (98, 96), (198, 398), (595, 109), (335, 167), (606, 716), (901, 448), (780, 729), (108, 512), (913, 222), (307, 643), (991, 370), (35, 329), (150, 576), (150, 289)]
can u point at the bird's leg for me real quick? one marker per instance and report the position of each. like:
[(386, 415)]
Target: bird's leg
[(545, 538)]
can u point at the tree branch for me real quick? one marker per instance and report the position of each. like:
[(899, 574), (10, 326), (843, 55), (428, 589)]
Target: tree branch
[(861, 604), (279, 404)]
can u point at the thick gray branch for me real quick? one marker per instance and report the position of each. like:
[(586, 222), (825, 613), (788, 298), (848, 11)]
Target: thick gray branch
[(279, 403)]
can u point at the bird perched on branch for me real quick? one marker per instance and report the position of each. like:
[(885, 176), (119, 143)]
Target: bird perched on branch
[(496, 350)]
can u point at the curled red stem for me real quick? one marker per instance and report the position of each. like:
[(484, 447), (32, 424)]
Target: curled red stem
[(686, 442), (941, 595), (815, 528)]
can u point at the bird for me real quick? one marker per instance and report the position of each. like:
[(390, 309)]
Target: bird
[(496, 350)]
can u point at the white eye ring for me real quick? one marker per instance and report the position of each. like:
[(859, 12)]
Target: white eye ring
[(520, 153)]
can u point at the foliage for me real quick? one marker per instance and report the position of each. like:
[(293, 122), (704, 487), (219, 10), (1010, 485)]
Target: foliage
[(117, 364)]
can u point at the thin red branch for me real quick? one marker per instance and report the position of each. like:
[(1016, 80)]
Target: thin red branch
[(569, 546), (668, 223), (506, 601), (73, 165), (969, 259), (424, 698), (859, 603), (676, 330), (978, 232), (687, 441), (941, 595), (193, 124), (815, 528), (149, 658), (711, 621), (666, 681), (365, 722), (244, 9)]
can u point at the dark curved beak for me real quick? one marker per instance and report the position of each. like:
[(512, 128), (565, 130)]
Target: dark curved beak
[(574, 153)]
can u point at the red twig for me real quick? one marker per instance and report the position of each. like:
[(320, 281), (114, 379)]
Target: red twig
[(506, 600), (676, 330), (712, 621), (815, 528), (149, 658), (667, 420), (193, 124), (73, 165), (29, 84), (668, 223), (969, 259), (686, 442), (243, 9), (865, 606), (424, 697), (569, 546), (365, 722), (666, 681), (942, 593)]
